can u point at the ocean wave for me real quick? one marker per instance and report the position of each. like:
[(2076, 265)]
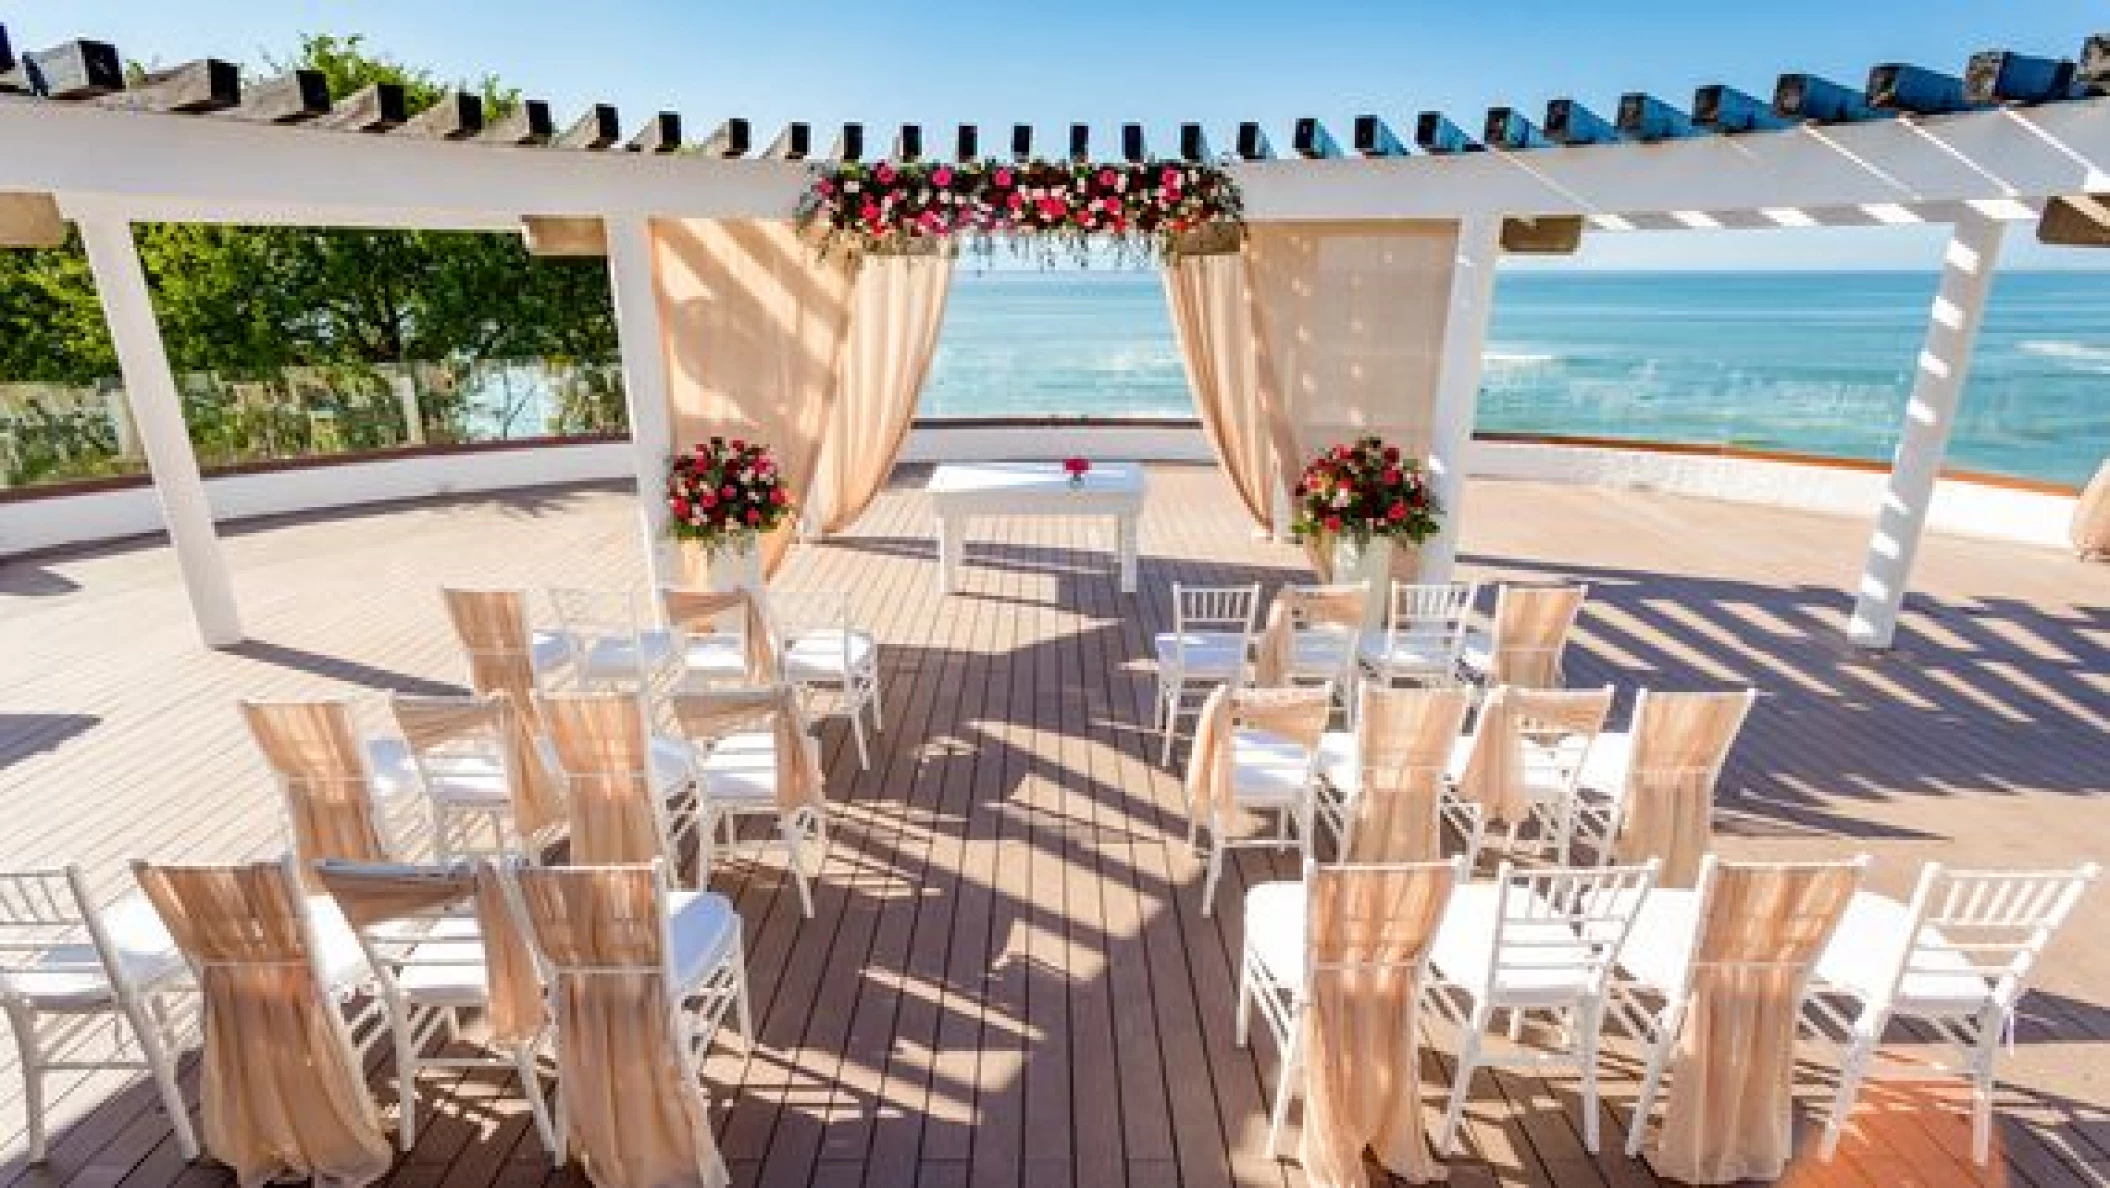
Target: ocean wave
[(2081, 355), (1518, 360)]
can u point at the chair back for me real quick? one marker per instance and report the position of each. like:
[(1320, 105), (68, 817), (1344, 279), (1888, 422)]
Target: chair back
[(1564, 921), (1374, 917), (1559, 727), (1759, 919), (1681, 739), (612, 633), (49, 929), (1429, 619), (313, 750), (797, 614), (699, 617), (707, 717), (478, 738), (492, 627), (1531, 628), (1974, 929), (1403, 747), (603, 748), (1331, 615), (1229, 611)]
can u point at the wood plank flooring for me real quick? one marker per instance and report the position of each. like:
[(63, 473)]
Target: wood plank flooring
[(1009, 980)]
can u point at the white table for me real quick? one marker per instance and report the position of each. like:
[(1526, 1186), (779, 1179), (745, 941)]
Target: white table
[(960, 491)]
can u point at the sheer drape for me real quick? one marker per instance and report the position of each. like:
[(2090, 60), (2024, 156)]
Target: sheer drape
[(1212, 322), (896, 310), (755, 322), (1403, 744), (315, 752), (1680, 741), (2091, 517)]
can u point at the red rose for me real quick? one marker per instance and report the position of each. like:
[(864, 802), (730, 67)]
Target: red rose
[(1391, 453), (753, 516), (738, 444), (707, 499), (776, 496), (1333, 523), (1393, 477), (729, 491), (1003, 178), (1398, 512), (680, 506)]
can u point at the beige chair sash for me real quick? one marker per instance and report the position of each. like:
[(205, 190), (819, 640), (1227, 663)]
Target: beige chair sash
[(1531, 631), (1730, 1094), (494, 724), (2090, 530), (1680, 741), (373, 895), (1494, 771), (1303, 606), (313, 749), (1298, 714), (713, 714), (697, 612), (601, 746), (633, 1107), (1403, 744), (281, 1091), (1369, 929), (492, 626)]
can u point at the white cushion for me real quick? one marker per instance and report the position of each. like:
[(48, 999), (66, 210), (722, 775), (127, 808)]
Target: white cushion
[(705, 929), (1267, 769), (144, 950), (1604, 769), (337, 951), (1320, 651), (615, 657), (458, 942), (390, 770), (548, 650), (703, 926), (1864, 953), (1545, 970), (717, 656), (1201, 653), (741, 769), (1340, 760), (464, 780), (819, 655), (1274, 929), (1407, 654), (1477, 653)]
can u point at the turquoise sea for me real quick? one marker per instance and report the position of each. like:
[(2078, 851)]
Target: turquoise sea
[(1812, 362)]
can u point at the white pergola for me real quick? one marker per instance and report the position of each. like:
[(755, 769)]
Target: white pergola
[(1977, 172)]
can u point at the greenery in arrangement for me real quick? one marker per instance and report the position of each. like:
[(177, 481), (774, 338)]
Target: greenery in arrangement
[(1365, 489), (723, 494), (247, 303), (1047, 207)]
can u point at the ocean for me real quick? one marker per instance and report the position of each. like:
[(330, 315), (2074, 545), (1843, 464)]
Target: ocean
[(1811, 362)]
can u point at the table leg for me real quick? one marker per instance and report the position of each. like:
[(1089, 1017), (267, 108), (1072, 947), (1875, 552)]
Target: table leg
[(1125, 536)]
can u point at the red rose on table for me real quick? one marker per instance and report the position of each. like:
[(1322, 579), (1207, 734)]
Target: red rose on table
[(1076, 466)]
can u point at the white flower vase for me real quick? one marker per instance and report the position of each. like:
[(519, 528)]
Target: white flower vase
[(735, 568), (1371, 562)]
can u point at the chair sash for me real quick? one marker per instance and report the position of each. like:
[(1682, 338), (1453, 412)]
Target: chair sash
[(696, 612), (371, 895), (1680, 741), (1731, 1102), (492, 626), (1298, 714), (498, 724), (601, 745), (1494, 771), (1403, 745), (712, 715), (1368, 932), (281, 1092), (1299, 606), (635, 1111), (1531, 632), (315, 753)]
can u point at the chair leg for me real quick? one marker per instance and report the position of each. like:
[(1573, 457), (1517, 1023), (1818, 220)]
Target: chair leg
[(1982, 1096), (1216, 870), (1658, 1056), (1173, 693), (857, 730), (1588, 1026), (1242, 1032), (406, 1084), (1285, 1084), (872, 692), (163, 1067), (743, 1008), (23, 1023), (1462, 1080), (1853, 1069), (795, 859), (538, 1102)]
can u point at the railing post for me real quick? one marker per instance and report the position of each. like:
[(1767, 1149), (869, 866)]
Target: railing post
[(1930, 417), (1458, 385), (157, 414), (638, 333)]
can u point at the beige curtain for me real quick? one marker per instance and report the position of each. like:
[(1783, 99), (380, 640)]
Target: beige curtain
[(896, 311), (1297, 714), (1680, 741), (281, 1091), (491, 725), (1403, 745), (1531, 634), (706, 717), (1212, 322), (755, 321), (372, 895), (633, 1106), (1304, 606), (601, 746), (2091, 517), (313, 749), (1513, 717), (1369, 929), (1731, 1082), (697, 612), (492, 626)]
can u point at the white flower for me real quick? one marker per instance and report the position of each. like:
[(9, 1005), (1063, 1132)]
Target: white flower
[(1340, 499), (850, 187)]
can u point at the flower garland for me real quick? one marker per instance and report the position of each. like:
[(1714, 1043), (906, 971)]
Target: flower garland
[(723, 494), (1365, 489), (1039, 205)]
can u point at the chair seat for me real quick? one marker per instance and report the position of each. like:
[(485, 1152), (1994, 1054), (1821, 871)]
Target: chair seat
[(617, 657), (705, 929), (70, 977), (1477, 652), (1539, 783), (549, 650), (1211, 654), (390, 770), (471, 781), (1604, 769), (1406, 654), (338, 954), (1320, 651), (1275, 922), (702, 924), (1863, 956), (718, 656), (1659, 946), (824, 655), (1340, 760), (1551, 971), (741, 769), (1268, 770), (670, 758)]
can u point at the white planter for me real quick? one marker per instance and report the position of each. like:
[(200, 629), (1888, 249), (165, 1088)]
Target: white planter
[(1371, 563)]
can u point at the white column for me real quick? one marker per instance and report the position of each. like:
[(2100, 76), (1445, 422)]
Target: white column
[(638, 332), (1458, 385), (1930, 416), (157, 414), (405, 387)]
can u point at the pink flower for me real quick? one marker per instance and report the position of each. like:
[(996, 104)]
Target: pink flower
[(737, 445), (1003, 178), (885, 174), (1052, 208), (707, 500), (753, 516), (729, 491), (826, 187), (1397, 512), (1017, 200), (1393, 477), (778, 497), (1106, 178), (942, 176), (1170, 177)]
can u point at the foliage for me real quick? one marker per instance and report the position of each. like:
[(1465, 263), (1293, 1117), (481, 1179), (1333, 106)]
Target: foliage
[(723, 494), (1364, 489), (1141, 208)]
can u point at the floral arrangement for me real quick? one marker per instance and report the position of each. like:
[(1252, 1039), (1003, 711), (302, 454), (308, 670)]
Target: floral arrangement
[(723, 494), (1076, 468), (1365, 489), (1140, 208)]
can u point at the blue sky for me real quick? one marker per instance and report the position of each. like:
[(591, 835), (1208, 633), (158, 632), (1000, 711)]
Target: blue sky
[(939, 64)]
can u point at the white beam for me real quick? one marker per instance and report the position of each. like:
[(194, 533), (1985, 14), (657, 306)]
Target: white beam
[(1930, 416), (644, 357), (157, 413), (1458, 386)]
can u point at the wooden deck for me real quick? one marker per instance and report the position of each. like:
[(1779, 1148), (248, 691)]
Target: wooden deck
[(1009, 980)]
